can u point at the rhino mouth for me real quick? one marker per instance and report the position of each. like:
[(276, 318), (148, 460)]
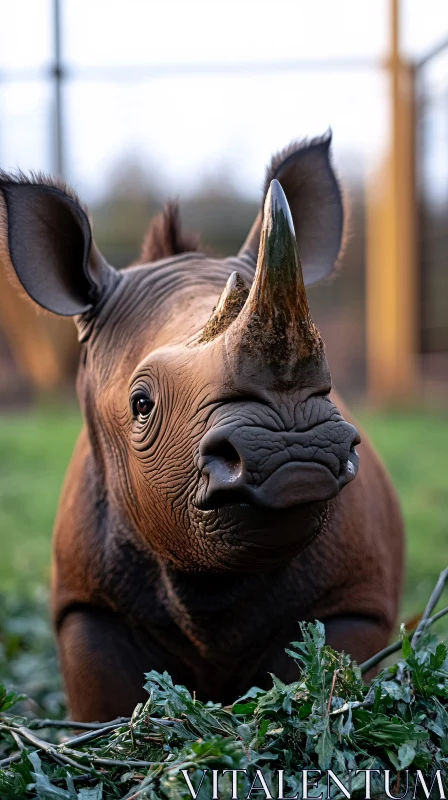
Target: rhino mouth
[(250, 465), (251, 537), (292, 484)]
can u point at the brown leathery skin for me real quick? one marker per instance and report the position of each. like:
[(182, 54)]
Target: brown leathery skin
[(214, 497), (135, 548), (221, 634)]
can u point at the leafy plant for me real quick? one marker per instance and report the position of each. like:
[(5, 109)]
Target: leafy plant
[(327, 719)]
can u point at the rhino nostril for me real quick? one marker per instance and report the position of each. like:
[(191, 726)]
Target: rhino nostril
[(227, 453), (219, 458)]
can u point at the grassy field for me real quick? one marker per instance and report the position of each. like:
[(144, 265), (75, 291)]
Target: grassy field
[(414, 448), (35, 449)]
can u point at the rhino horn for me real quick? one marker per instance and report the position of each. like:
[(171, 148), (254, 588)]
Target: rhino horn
[(276, 318), (229, 305)]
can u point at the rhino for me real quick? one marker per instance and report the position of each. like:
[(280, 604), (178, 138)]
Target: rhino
[(218, 492)]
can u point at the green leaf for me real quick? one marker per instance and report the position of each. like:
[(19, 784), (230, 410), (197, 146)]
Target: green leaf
[(324, 749), (91, 794), (45, 790), (8, 698), (406, 647), (393, 758), (304, 710), (406, 755), (251, 694), (244, 708), (397, 691), (437, 659)]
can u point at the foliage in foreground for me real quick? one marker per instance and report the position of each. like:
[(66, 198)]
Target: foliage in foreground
[(328, 719), (28, 659)]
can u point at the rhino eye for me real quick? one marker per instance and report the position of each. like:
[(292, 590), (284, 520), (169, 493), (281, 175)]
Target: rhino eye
[(142, 405)]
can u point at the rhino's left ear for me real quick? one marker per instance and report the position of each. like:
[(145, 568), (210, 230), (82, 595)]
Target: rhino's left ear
[(46, 241), (314, 197)]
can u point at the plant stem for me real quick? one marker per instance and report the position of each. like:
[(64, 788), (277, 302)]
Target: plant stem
[(333, 683), (86, 737), (55, 753), (18, 741), (112, 762), (90, 726), (40, 744), (396, 646), (432, 602), (7, 761), (83, 726)]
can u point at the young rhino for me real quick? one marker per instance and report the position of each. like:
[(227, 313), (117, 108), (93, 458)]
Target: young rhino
[(211, 501)]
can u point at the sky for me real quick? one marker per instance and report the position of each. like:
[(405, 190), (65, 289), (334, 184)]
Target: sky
[(148, 85)]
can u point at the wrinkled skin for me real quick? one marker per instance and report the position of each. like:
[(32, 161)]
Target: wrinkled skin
[(152, 469), (217, 633), (193, 537)]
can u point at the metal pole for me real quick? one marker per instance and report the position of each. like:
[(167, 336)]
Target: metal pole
[(58, 76)]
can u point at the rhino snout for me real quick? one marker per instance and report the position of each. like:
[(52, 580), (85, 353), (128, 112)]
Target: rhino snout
[(276, 469)]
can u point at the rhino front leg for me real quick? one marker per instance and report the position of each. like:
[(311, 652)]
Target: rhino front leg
[(360, 637), (103, 665)]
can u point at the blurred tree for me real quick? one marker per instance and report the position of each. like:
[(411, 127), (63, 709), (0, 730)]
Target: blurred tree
[(222, 219), (45, 348), (132, 196)]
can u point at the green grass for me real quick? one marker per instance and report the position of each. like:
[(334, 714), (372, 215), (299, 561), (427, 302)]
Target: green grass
[(35, 449), (415, 450)]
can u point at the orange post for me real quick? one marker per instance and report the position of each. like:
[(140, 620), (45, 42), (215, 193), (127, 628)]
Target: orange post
[(391, 257)]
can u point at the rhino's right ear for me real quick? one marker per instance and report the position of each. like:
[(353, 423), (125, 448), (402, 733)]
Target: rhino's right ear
[(306, 175), (46, 241)]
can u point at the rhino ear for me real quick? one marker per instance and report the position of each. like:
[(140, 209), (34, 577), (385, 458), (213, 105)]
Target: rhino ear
[(46, 241), (314, 197)]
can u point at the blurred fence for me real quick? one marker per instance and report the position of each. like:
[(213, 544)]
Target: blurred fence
[(38, 352)]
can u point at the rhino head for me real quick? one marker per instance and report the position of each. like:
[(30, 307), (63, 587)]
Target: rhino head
[(213, 440)]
